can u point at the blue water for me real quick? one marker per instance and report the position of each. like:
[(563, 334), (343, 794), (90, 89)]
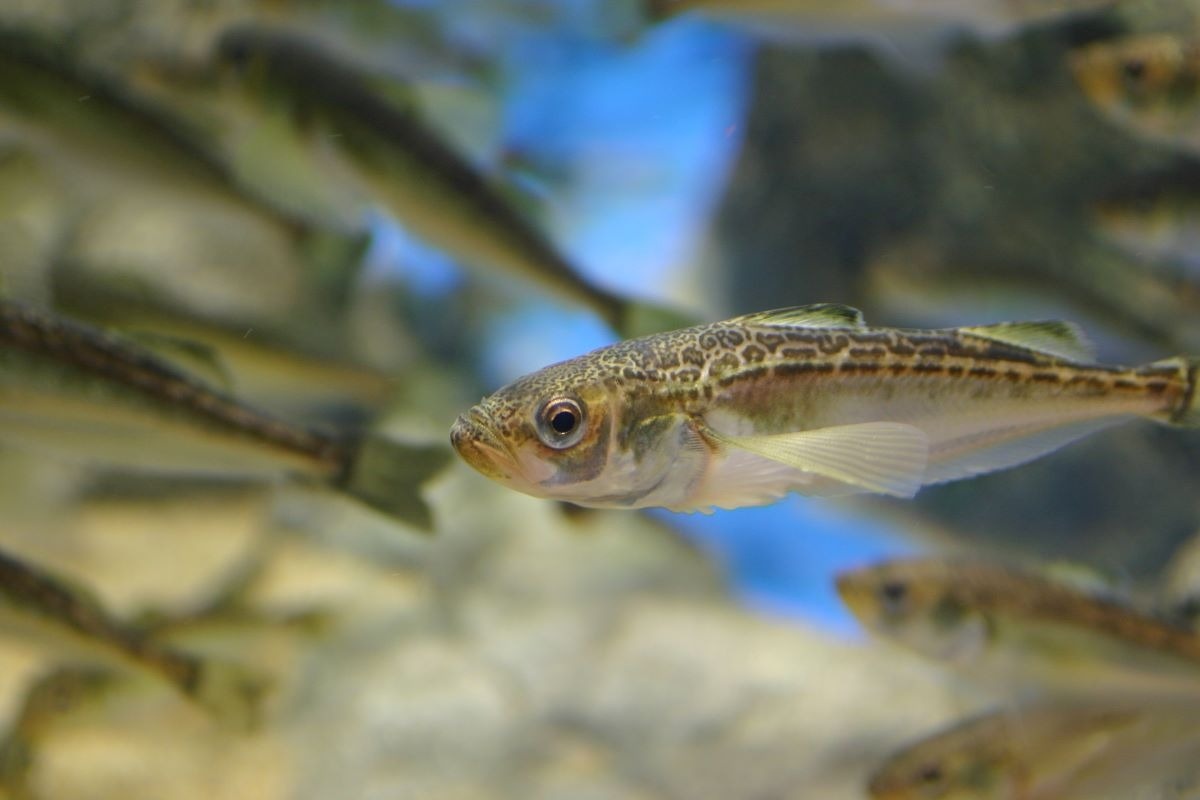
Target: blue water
[(629, 143)]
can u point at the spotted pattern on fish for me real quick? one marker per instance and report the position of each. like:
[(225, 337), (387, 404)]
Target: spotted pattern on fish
[(807, 399), (725, 355)]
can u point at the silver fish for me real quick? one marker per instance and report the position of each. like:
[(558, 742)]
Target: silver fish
[(38, 606), (1018, 630), (76, 391)]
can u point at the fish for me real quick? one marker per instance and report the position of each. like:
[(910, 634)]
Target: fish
[(1057, 751), (36, 605), (410, 171), (1148, 84), (805, 399), (120, 200), (1160, 230), (885, 24), (89, 395), (1022, 631)]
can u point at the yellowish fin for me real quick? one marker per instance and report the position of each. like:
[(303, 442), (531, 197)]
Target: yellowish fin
[(883, 457)]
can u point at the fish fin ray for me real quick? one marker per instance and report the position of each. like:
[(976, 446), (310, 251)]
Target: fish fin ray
[(1054, 338), (1012, 452), (884, 457), (819, 315)]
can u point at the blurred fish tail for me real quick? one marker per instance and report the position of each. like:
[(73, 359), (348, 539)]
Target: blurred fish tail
[(1187, 414), (387, 475), (232, 693)]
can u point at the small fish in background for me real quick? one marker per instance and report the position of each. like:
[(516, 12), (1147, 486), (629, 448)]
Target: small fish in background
[(807, 399), (1022, 631), (78, 392), (1148, 83), (40, 607), (407, 168), (1159, 229), (1118, 292), (119, 200), (930, 23), (1105, 748)]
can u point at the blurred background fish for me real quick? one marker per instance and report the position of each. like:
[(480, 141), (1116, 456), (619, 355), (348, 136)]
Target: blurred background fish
[(1105, 749), (1024, 633)]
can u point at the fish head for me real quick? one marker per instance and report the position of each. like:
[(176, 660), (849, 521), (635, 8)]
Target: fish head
[(916, 603), (1148, 82), (568, 433), (947, 768)]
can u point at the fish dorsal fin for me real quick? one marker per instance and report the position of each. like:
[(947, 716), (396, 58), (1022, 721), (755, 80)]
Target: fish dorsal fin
[(1062, 339), (820, 315), (884, 457)]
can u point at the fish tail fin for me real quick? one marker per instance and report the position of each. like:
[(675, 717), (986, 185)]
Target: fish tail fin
[(232, 693), (387, 475), (1187, 413)]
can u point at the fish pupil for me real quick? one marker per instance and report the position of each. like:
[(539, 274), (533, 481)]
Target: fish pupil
[(1135, 70), (563, 422), (931, 773), (894, 593)]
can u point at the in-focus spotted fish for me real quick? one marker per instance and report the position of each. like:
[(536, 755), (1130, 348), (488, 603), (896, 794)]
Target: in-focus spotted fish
[(1018, 630), (808, 399)]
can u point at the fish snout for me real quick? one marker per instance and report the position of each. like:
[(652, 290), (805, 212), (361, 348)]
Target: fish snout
[(472, 438)]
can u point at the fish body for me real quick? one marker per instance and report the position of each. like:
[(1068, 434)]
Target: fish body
[(130, 203), (37, 606), (1020, 630), (878, 19), (1071, 751), (78, 392), (1148, 84), (384, 144), (808, 399)]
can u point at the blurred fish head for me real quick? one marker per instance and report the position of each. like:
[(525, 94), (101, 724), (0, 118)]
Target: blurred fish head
[(915, 603), (944, 770), (1147, 81), (567, 433)]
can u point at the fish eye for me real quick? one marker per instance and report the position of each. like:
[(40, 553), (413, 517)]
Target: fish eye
[(930, 774), (893, 593), (560, 422), (1134, 70)]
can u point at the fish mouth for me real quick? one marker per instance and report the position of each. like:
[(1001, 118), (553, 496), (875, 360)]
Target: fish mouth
[(854, 595), (472, 438)]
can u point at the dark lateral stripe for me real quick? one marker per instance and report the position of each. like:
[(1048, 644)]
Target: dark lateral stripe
[(993, 589), (111, 359)]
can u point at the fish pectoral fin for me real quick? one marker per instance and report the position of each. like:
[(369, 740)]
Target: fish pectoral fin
[(820, 315), (1061, 339), (885, 457)]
